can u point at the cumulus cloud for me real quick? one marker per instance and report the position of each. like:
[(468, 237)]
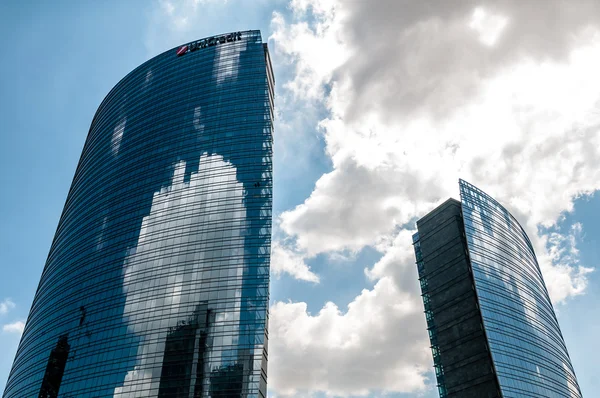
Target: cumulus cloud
[(488, 26), (519, 119), (15, 327), (354, 205), (417, 95), (397, 262), (6, 305), (567, 277), (378, 343), (316, 56), (287, 260)]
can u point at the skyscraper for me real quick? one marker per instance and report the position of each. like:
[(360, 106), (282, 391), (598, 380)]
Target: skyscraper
[(157, 280), (490, 320)]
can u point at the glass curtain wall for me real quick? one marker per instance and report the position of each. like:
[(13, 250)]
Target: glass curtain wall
[(527, 347), (157, 280)]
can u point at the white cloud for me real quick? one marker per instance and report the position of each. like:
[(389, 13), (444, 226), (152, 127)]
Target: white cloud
[(414, 102), (15, 327), (563, 248), (567, 277), (317, 49), (398, 262), (6, 305), (286, 260), (355, 204), (378, 343), (522, 126), (488, 26)]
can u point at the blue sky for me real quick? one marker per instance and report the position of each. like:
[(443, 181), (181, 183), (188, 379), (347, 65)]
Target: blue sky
[(380, 109)]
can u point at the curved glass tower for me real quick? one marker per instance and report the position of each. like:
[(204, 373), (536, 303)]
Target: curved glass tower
[(529, 353), (157, 280), (491, 323)]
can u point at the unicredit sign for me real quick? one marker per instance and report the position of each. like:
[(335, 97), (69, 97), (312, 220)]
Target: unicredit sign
[(211, 41)]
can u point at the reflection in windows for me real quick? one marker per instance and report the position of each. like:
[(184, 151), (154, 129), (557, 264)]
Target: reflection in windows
[(194, 267), (55, 368), (529, 353), (117, 136), (227, 381), (165, 214), (184, 360)]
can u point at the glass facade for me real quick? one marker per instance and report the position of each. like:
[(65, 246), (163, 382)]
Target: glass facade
[(529, 353), (157, 280)]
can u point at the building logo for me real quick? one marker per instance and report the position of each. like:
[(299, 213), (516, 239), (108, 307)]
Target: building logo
[(209, 42), (182, 50)]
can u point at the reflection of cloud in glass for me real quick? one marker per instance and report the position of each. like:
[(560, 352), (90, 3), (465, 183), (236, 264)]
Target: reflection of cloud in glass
[(522, 330), (117, 136), (227, 61), (100, 240), (184, 258), (198, 125), (148, 76)]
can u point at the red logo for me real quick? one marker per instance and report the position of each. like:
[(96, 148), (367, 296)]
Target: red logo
[(182, 50)]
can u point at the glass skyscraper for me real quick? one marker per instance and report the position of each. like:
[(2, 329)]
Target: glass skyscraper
[(491, 323), (157, 280)]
